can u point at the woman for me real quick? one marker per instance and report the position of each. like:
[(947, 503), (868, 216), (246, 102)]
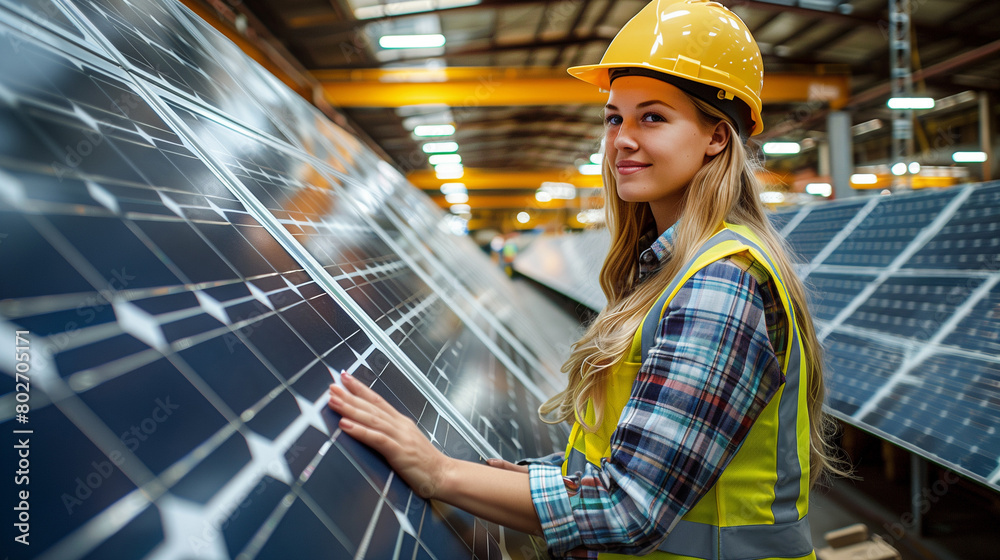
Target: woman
[(696, 394)]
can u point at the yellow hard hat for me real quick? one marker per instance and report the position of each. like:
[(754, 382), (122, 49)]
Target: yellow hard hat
[(699, 41)]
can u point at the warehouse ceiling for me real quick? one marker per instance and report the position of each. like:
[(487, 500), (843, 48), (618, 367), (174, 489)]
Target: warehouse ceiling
[(520, 120)]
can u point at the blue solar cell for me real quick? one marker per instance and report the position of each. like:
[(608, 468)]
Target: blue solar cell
[(382, 545), (276, 416), (301, 530), (209, 476), (101, 352), (335, 475), (856, 368), (155, 412), (780, 219), (137, 539), (831, 292), (232, 370), (23, 250), (438, 532), (253, 510)]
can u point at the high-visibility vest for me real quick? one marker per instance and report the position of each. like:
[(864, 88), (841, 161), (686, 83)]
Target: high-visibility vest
[(757, 508)]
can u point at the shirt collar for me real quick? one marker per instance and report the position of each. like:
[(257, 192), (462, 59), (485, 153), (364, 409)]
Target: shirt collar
[(659, 251)]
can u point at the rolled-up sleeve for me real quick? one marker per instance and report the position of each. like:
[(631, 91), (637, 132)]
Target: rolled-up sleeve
[(709, 373)]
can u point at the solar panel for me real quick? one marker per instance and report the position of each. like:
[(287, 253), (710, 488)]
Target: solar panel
[(186, 303), (907, 298), (569, 264)]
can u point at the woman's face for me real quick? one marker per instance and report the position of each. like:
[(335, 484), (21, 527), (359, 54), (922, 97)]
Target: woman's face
[(656, 142)]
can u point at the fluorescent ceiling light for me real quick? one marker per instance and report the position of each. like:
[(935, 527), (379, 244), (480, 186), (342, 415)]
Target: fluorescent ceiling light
[(449, 171), (440, 147), (523, 217), (592, 216), (781, 148), (898, 168), (449, 188), (589, 169), (411, 41), (561, 191), (434, 130), (438, 159), (911, 103), (457, 198), (968, 157), (819, 189), (772, 197), (542, 196), (914, 167), (864, 178), (409, 7)]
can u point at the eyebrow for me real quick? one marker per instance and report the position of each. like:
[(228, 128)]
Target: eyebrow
[(643, 104)]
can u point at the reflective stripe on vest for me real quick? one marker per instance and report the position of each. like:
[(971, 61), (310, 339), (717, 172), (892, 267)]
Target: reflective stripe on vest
[(788, 534)]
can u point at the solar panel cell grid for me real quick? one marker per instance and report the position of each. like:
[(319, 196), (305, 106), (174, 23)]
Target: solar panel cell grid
[(979, 331), (971, 238), (857, 367), (949, 408), (888, 229), (831, 292), (810, 236), (913, 307)]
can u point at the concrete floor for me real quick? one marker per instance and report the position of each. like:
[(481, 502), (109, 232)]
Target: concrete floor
[(962, 525)]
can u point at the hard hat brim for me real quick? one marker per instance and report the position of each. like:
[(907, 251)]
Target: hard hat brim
[(599, 75)]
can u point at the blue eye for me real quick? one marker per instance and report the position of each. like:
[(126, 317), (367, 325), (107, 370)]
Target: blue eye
[(613, 120), (653, 117)]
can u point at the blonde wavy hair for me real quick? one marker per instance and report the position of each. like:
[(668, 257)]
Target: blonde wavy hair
[(724, 189)]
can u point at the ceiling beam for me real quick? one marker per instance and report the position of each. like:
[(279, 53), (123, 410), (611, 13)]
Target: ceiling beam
[(486, 86), (521, 202)]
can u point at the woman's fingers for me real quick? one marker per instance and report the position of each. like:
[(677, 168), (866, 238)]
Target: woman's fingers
[(357, 409), (506, 465)]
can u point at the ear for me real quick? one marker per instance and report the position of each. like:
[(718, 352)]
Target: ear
[(720, 137)]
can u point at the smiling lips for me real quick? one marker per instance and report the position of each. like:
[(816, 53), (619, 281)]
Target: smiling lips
[(628, 166)]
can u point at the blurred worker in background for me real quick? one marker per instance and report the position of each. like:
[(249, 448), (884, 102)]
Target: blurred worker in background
[(695, 396)]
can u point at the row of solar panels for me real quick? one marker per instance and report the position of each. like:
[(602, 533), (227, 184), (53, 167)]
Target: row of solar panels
[(907, 304), (190, 252)]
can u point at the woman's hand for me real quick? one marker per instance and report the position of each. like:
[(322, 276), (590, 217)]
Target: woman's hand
[(501, 495), (368, 418)]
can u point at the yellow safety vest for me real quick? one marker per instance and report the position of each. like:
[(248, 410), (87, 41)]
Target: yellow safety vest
[(757, 509)]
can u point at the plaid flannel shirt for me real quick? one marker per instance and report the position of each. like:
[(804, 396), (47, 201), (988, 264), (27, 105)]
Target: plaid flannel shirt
[(714, 365)]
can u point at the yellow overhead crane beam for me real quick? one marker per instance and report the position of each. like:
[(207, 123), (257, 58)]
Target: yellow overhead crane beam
[(491, 86), (474, 179)]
